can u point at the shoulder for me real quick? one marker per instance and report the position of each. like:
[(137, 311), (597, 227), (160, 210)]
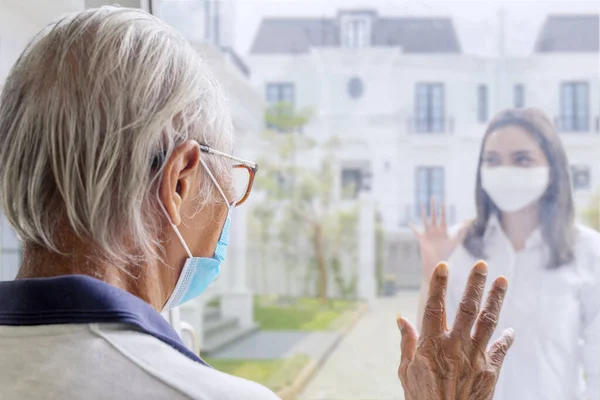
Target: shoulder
[(166, 364), (587, 240), (584, 233), (587, 251)]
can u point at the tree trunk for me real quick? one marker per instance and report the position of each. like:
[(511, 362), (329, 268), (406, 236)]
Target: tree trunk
[(321, 263)]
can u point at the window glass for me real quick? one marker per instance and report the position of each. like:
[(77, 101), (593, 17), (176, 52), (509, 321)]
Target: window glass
[(358, 114), (482, 103)]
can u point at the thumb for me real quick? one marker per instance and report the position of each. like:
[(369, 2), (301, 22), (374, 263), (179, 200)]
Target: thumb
[(408, 344)]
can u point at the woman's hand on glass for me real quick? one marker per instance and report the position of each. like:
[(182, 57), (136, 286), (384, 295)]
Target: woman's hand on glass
[(445, 364), (435, 242)]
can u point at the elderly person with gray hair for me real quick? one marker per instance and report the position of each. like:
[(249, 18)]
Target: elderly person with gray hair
[(116, 171)]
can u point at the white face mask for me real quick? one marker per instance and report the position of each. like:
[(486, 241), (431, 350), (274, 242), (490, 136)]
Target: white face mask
[(514, 188)]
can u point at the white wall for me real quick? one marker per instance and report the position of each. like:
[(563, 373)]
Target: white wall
[(20, 20)]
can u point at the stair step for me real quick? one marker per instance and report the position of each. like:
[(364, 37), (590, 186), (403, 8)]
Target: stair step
[(217, 342), (214, 328), (211, 314)]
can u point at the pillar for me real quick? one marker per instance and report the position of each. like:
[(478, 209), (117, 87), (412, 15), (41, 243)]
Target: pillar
[(367, 284), (237, 301)]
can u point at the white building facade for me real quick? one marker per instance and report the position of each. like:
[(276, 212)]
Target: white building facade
[(411, 108)]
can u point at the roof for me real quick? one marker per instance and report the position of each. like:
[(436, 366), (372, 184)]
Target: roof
[(413, 35), (569, 33)]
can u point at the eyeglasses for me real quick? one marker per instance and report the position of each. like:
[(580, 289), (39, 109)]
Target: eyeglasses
[(243, 174)]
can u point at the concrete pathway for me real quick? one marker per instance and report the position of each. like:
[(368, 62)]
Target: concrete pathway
[(364, 364), (266, 345)]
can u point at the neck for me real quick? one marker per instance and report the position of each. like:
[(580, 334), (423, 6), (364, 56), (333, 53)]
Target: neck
[(519, 225), (137, 280)]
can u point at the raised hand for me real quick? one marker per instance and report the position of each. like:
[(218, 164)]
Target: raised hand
[(444, 364), (435, 242)]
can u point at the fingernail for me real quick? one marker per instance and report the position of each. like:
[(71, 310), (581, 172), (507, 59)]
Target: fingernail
[(502, 282), (508, 332), (442, 269), (399, 322), (481, 267)]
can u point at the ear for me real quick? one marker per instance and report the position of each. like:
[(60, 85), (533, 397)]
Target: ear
[(178, 179)]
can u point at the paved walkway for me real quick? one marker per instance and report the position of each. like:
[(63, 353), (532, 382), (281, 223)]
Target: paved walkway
[(266, 345), (364, 364)]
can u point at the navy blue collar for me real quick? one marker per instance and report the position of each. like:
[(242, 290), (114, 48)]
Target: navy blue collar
[(78, 299)]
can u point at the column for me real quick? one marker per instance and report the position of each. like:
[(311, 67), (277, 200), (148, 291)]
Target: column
[(237, 300), (367, 284)]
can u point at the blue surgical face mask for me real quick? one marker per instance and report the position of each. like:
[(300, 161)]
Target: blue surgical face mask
[(199, 272)]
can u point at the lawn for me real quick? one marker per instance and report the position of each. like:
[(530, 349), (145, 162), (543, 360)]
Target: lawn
[(304, 314), (274, 374)]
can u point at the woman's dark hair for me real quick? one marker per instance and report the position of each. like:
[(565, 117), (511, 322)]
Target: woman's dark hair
[(556, 205)]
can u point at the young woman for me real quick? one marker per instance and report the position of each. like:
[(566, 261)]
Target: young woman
[(525, 230)]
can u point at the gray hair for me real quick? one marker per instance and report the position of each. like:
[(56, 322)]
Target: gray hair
[(84, 112)]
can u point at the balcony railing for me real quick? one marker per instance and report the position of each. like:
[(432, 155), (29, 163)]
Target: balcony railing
[(430, 125), (411, 214), (582, 124)]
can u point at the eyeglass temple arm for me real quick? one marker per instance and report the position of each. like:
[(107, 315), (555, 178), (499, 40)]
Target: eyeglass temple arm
[(210, 150)]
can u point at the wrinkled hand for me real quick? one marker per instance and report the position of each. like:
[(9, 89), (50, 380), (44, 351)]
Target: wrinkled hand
[(434, 241), (444, 364)]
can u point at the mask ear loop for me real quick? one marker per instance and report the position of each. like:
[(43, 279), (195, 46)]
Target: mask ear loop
[(179, 236), (212, 178), (185, 246)]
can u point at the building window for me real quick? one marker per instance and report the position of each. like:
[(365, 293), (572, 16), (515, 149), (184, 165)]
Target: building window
[(280, 99), (580, 176), (356, 31), (574, 107), (280, 93), (519, 96), (429, 183), (429, 107), (351, 182), (482, 103)]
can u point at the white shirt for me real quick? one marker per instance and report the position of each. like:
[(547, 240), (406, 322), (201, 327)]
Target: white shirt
[(108, 362), (555, 315), (75, 337)]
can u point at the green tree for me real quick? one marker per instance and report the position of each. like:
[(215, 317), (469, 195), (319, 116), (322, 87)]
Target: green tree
[(300, 197), (345, 250)]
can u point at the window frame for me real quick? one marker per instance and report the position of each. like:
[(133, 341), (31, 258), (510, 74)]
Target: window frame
[(519, 95), (574, 106), (423, 194), (358, 174), (360, 34), (429, 107), (290, 98), (482, 103)]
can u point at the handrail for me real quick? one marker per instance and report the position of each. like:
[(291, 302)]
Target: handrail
[(192, 340)]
